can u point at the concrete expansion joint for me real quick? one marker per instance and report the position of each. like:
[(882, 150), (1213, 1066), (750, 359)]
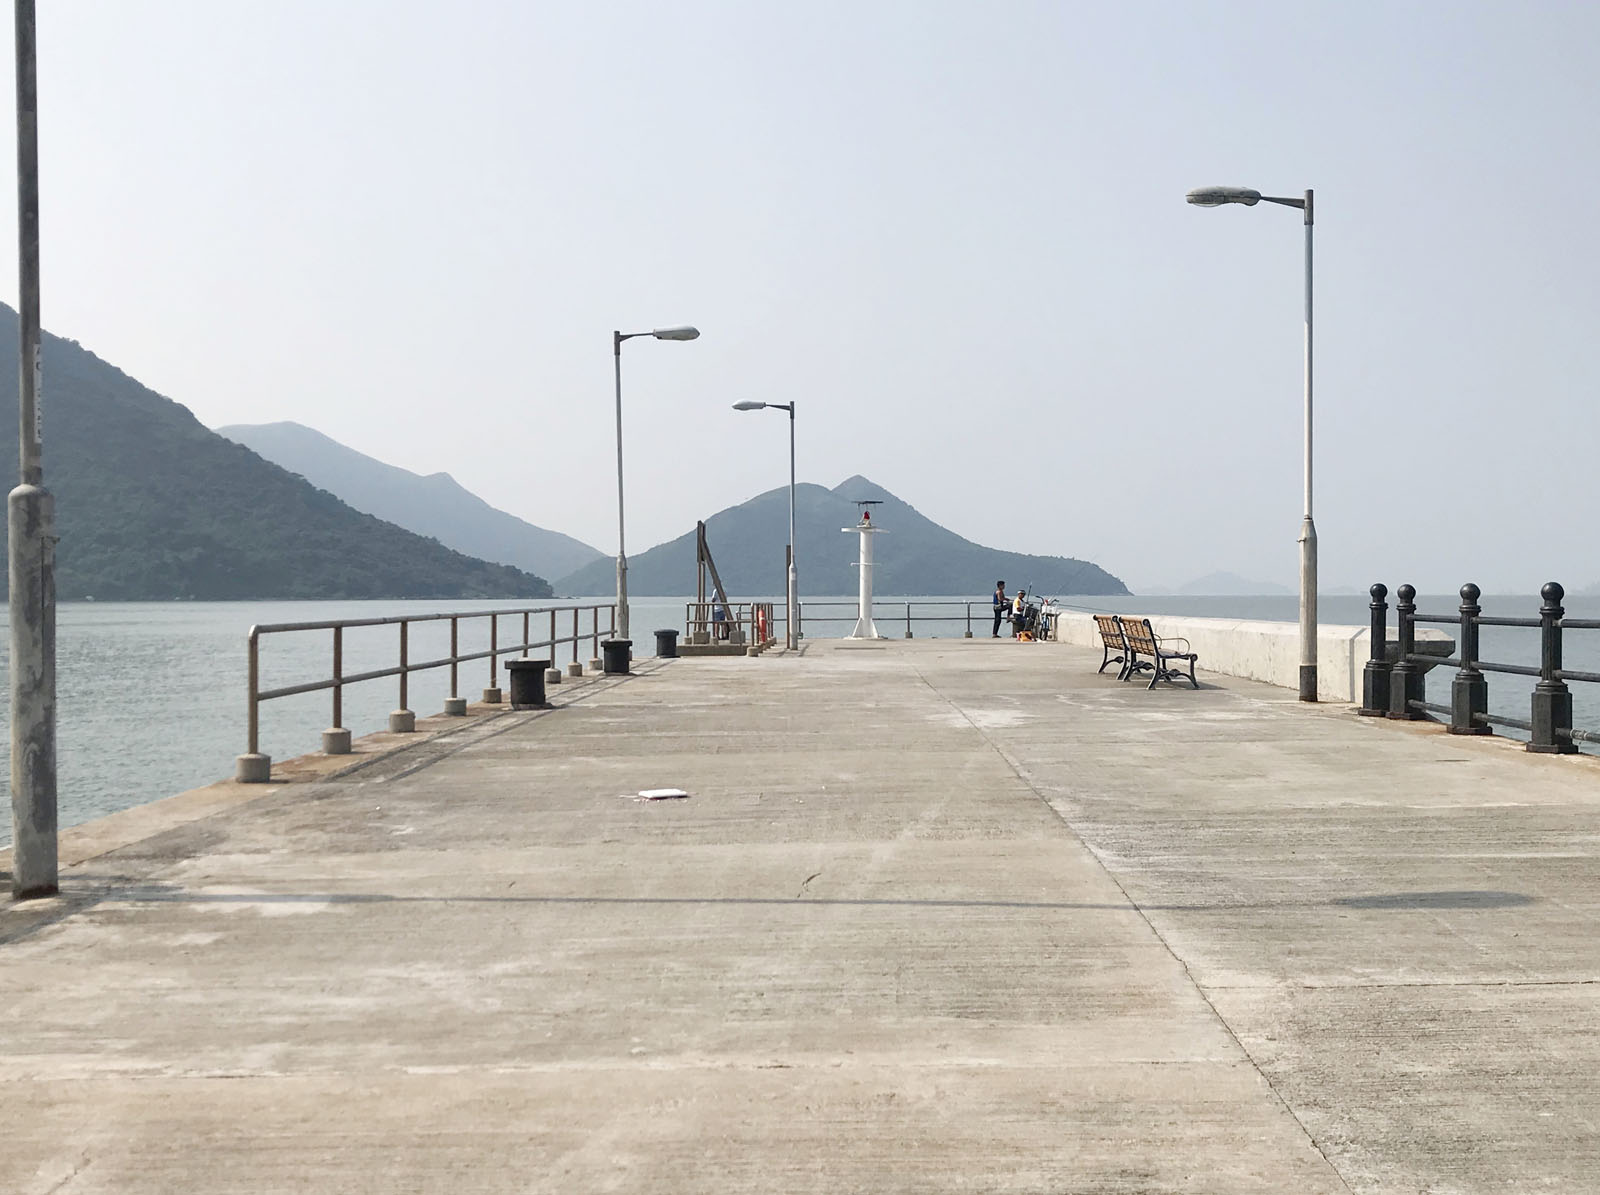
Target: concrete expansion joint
[(1398, 985), (1022, 775)]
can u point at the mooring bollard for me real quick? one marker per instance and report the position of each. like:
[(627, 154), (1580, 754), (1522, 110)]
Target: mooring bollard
[(1405, 678), (616, 653), (667, 644), (1552, 702), (1375, 676), (1469, 691), (526, 682)]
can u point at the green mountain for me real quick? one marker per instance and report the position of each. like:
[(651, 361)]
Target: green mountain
[(152, 505), (914, 556), (436, 505)]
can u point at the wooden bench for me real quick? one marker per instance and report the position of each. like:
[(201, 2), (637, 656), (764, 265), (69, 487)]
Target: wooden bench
[(1141, 640), (1111, 641)]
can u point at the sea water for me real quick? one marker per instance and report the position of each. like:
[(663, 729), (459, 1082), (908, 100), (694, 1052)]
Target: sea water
[(151, 696)]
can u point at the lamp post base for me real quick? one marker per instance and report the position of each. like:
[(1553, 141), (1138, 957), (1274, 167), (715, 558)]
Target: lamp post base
[(1308, 682)]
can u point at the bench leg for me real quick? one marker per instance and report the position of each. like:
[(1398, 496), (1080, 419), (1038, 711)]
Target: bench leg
[(1192, 680)]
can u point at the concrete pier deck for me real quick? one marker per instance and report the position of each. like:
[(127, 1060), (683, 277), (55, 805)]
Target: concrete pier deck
[(936, 916)]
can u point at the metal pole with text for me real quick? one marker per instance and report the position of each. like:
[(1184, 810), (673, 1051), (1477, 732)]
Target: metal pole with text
[(31, 523), (791, 616), (1308, 529), (622, 555)]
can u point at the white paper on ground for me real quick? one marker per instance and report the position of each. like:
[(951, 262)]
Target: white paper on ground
[(660, 794)]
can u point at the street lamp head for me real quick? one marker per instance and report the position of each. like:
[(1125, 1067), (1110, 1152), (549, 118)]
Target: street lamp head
[(748, 406), (676, 333), (1217, 196)]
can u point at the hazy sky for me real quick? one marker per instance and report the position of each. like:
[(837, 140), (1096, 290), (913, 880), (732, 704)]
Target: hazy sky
[(953, 233)]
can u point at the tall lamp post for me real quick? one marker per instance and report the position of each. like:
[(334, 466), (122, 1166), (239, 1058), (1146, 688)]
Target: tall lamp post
[(617, 338), (791, 636), (30, 522), (1216, 197)]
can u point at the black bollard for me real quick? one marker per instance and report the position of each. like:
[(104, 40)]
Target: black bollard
[(1469, 691), (525, 678), (1405, 678), (667, 645), (1552, 703), (616, 653), (1375, 676)]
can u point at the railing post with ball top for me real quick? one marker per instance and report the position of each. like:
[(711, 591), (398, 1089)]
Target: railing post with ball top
[(1552, 701), (1405, 678), (1375, 676), (1469, 692)]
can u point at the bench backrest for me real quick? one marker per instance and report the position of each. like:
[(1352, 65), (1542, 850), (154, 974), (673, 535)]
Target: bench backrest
[(1141, 637), (1110, 630)]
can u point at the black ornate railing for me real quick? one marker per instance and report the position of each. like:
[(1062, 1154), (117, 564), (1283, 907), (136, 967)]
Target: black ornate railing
[(1395, 690)]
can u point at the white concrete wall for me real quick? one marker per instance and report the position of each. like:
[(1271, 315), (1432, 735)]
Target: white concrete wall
[(1263, 651)]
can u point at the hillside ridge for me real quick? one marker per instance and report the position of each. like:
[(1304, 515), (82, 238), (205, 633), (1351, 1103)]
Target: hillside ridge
[(917, 556), (151, 505), (433, 504)]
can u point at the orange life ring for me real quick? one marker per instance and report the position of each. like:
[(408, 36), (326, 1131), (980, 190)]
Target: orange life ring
[(761, 623)]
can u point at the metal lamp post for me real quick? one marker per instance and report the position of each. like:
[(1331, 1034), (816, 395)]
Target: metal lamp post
[(684, 333), (31, 523), (1216, 197), (792, 609)]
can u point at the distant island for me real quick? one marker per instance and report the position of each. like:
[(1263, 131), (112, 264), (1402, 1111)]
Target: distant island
[(915, 556), (1224, 584), (150, 505)]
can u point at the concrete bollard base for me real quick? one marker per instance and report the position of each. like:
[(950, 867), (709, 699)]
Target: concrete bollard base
[(456, 707), (574, 669), (595, 665), (402, 722), (336, 741), (968, 635), (552, 676), (253, 769), (491, 696)]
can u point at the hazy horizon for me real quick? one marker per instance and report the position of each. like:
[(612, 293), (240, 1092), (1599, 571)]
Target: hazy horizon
[(955, 237)]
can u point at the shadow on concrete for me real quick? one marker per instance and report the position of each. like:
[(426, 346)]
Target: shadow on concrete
[(146, 894), (23, 920)]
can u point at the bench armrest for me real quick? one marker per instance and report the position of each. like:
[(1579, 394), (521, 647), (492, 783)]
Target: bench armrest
[(1162, 642)]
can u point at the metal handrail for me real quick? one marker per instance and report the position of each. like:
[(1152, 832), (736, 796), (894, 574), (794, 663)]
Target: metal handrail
[(1397, 690), (718, 624), (908, 617), (602, 621)]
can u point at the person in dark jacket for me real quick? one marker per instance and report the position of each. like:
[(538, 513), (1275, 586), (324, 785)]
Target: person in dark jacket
[(1001, 607)]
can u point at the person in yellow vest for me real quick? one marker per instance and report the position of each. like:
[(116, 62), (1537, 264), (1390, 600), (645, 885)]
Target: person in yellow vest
[(1018, 612)]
